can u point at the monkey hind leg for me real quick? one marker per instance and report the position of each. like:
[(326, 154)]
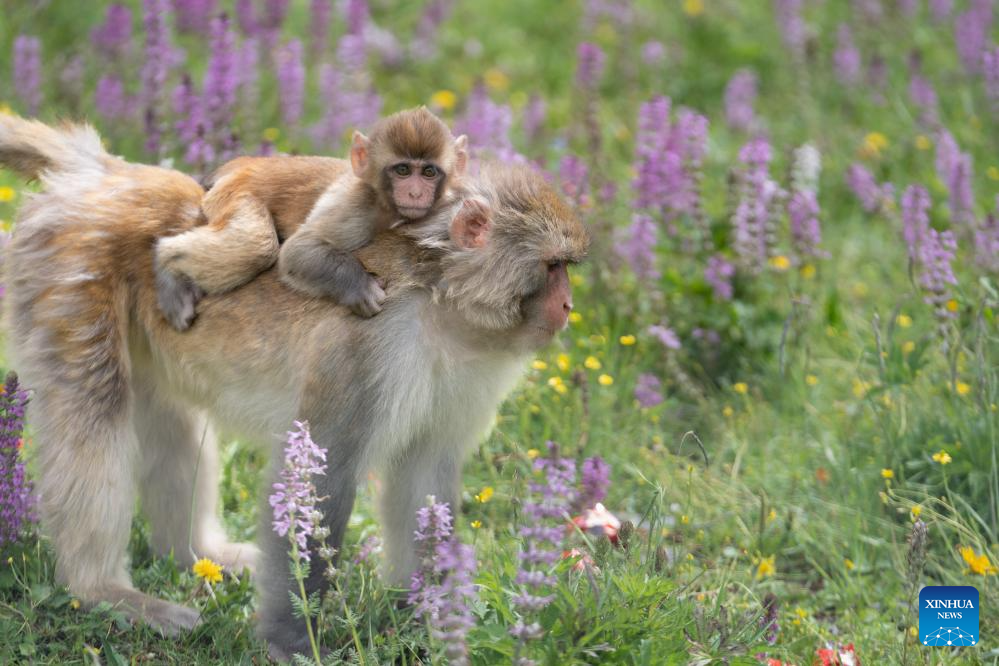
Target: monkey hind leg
[(179, 484), (214, 258)]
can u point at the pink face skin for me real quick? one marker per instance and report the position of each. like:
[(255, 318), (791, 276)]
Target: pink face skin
[(415, 185), (558, 297)]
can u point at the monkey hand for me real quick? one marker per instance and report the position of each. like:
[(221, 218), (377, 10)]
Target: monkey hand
[(177, 296), (367, 299)]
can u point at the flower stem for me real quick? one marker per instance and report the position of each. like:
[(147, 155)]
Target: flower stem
[(305, 601)]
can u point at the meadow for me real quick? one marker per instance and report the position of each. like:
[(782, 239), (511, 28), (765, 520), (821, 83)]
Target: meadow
[(784, 354)]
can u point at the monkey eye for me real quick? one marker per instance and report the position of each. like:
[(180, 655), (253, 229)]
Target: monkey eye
[(430, 171), (402, 169)]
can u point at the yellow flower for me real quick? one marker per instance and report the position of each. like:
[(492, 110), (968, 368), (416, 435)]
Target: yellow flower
[(5, 109), (7, 194), (685, 519), (693, 7), (811, 380), (534, 409), (75, 604), (476, 524), (627, 340), (848, 563), (533, 453), (727, 412), (913, 632), (942, 457), (780, 262), (271, 134), (444, 99), (808, 271), (908, 347), (923, 142), (554, 381), (496, 79), (916, 511), (903, 320), (860, 289), (860, 388), (766, 567), (887, 474), (205, 568), (539, 365), (485, 495), (772, 516), (741, 388), (605, 380), (592, 362), (992, 172), (952, 305), (562, 362), (873, 144), (962, 388), (977, 564), (575, 317)]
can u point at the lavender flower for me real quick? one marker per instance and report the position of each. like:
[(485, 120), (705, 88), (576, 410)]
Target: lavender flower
[(971, 34), (594, 483), (533, 118), (291, 81), (246, 17), (192, 124), (792, 26), (194, 15), (221, 84), (109, 97), (294, 499), (155, 68), (653, 53), (357, 14), (648, 390), (941, 9), (846, 59), (370, 545), (986, 239), (28, 71), (638, 247), (113, 38), (487, 125), (16, 500), (574, 178), (990, 70), (753, 221), (590, 64), (424, 44), (718, 273), (320, 17), (866, 188), (936, 253), (806, 234), (924, 97), (915, 204), (666, 335), (740, 96)]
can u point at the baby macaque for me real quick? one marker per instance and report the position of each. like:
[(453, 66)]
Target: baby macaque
[(310, 214)]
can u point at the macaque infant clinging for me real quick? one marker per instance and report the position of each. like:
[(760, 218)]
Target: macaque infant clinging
[(403, 172)]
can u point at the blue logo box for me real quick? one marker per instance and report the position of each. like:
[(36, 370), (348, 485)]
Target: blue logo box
[(948, 615)]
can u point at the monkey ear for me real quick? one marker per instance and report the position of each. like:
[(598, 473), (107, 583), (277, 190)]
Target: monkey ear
[(359, 153), (471, 227), (460, 155)]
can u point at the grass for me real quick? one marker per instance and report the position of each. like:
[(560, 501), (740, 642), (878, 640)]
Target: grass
[(761, 473)]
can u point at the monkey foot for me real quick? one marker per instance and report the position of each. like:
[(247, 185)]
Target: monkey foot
[(177, 296)]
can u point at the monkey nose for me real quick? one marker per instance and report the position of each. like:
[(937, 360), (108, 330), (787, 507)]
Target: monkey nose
[(567, 306)]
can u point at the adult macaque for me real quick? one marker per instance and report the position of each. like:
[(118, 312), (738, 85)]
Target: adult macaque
[(402, 173), (473, 292)]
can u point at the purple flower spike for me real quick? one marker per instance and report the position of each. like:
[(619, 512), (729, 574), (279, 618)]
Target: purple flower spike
[(846, 59), (28, 71), (590, 65), (740, 96), (648, 390), (291, 81), (113, 38), (16, 500), (294, 499)]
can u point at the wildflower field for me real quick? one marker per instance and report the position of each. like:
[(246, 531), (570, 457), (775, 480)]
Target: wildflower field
[(773, 416)]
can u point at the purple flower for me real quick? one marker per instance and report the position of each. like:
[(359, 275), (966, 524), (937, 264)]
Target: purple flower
[(356, 14), (246, 16), (113, 38), (533, 117), (908, 7), (866, 188), (291, 81), (573, 176), (806, 234), (192, 124), (870, 11), (753, 223), (594, 483), (792, 26), (158, 55), (487, 125), (590, 64), (294, 499), (955, 169), (986, 238), (718, 273), (16, 500), (648, 390), (941, 9), (846, 59), (638, 247), (653, 52), (924, 97), (990, 70), (424, 44), (28, 71), (320, 17), (666, 335), (971, 34), (915, 205), (109, 97), (936, 253), (222, 80), (370, 545), (194, 15), (740, 96)]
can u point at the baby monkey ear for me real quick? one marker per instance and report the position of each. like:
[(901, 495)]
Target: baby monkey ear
[(460, 155), (471, 227), (359, 154)]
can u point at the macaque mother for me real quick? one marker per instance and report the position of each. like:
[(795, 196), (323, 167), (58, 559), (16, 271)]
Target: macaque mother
[(119, 395)]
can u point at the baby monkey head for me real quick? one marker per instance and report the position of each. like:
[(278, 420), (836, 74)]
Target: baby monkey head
[(409, 160)]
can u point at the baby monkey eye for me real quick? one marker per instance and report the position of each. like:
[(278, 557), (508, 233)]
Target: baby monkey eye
[(402, 169), (430, 171)]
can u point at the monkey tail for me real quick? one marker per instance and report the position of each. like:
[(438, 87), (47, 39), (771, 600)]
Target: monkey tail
[(32, 148)]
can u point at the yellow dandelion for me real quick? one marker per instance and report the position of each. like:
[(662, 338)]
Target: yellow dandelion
[(887, 474), (766, 567), (476, 524), (444, 99), (942, 457), (562, 361), (485, 495), (873, 144), (916, 511), (727, 411), (575, 317), (533, 453), (693, 7), (592, 362), (685, 519), (962, 388), (605, 380), (977, 564), (210, 571), (741, 388), (908, 347), (772, 516), (952, 305), (780, 262), (903, 320), (992, 172), (811, 380), (808, 271), (7, 194), (848, 563), (913, 632), (555, 381), (75, 604), (923, 142), (539, 365), (271, 134), (626, 340)]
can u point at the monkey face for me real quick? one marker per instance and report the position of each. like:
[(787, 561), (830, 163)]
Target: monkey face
[(415, 186)]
